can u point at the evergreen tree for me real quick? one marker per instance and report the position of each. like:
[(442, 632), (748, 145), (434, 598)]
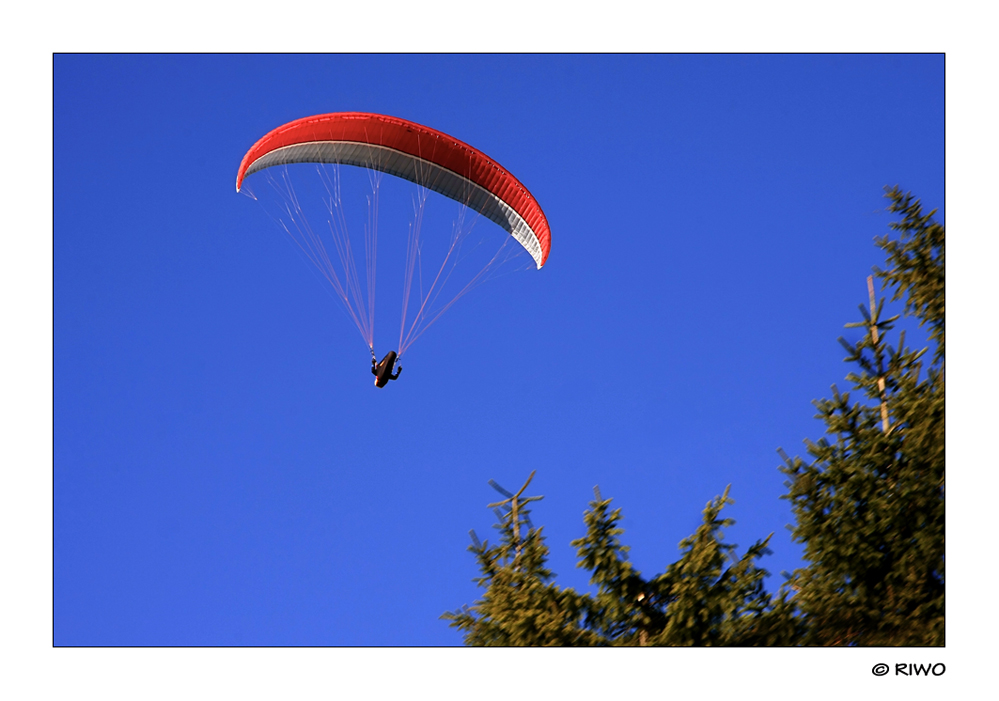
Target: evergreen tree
[(870, 506), (697, 601), (521, 606), (707, 597)]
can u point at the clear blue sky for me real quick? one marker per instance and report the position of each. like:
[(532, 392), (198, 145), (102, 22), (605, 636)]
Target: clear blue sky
[(225, 472)]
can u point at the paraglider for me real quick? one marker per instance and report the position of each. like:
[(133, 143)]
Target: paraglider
[(383, 370), (431, 159)]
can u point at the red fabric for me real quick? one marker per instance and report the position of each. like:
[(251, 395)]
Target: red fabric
[(415, 140)]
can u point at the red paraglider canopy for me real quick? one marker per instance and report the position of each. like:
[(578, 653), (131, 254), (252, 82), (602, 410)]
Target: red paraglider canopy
[(417, 153)]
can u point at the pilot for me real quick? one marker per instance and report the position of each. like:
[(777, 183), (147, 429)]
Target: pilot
[(383, 370)]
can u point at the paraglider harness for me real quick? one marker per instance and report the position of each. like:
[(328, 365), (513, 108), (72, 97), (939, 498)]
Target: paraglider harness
[(383, 370)]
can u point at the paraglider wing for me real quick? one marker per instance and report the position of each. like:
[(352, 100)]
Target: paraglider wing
[(417, 153)]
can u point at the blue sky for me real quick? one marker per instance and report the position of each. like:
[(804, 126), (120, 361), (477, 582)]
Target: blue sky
[(226, 474)]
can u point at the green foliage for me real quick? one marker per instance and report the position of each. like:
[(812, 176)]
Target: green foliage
[(521, 606), (616, 613), (708, 597), (916, 264), (870, 506)]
